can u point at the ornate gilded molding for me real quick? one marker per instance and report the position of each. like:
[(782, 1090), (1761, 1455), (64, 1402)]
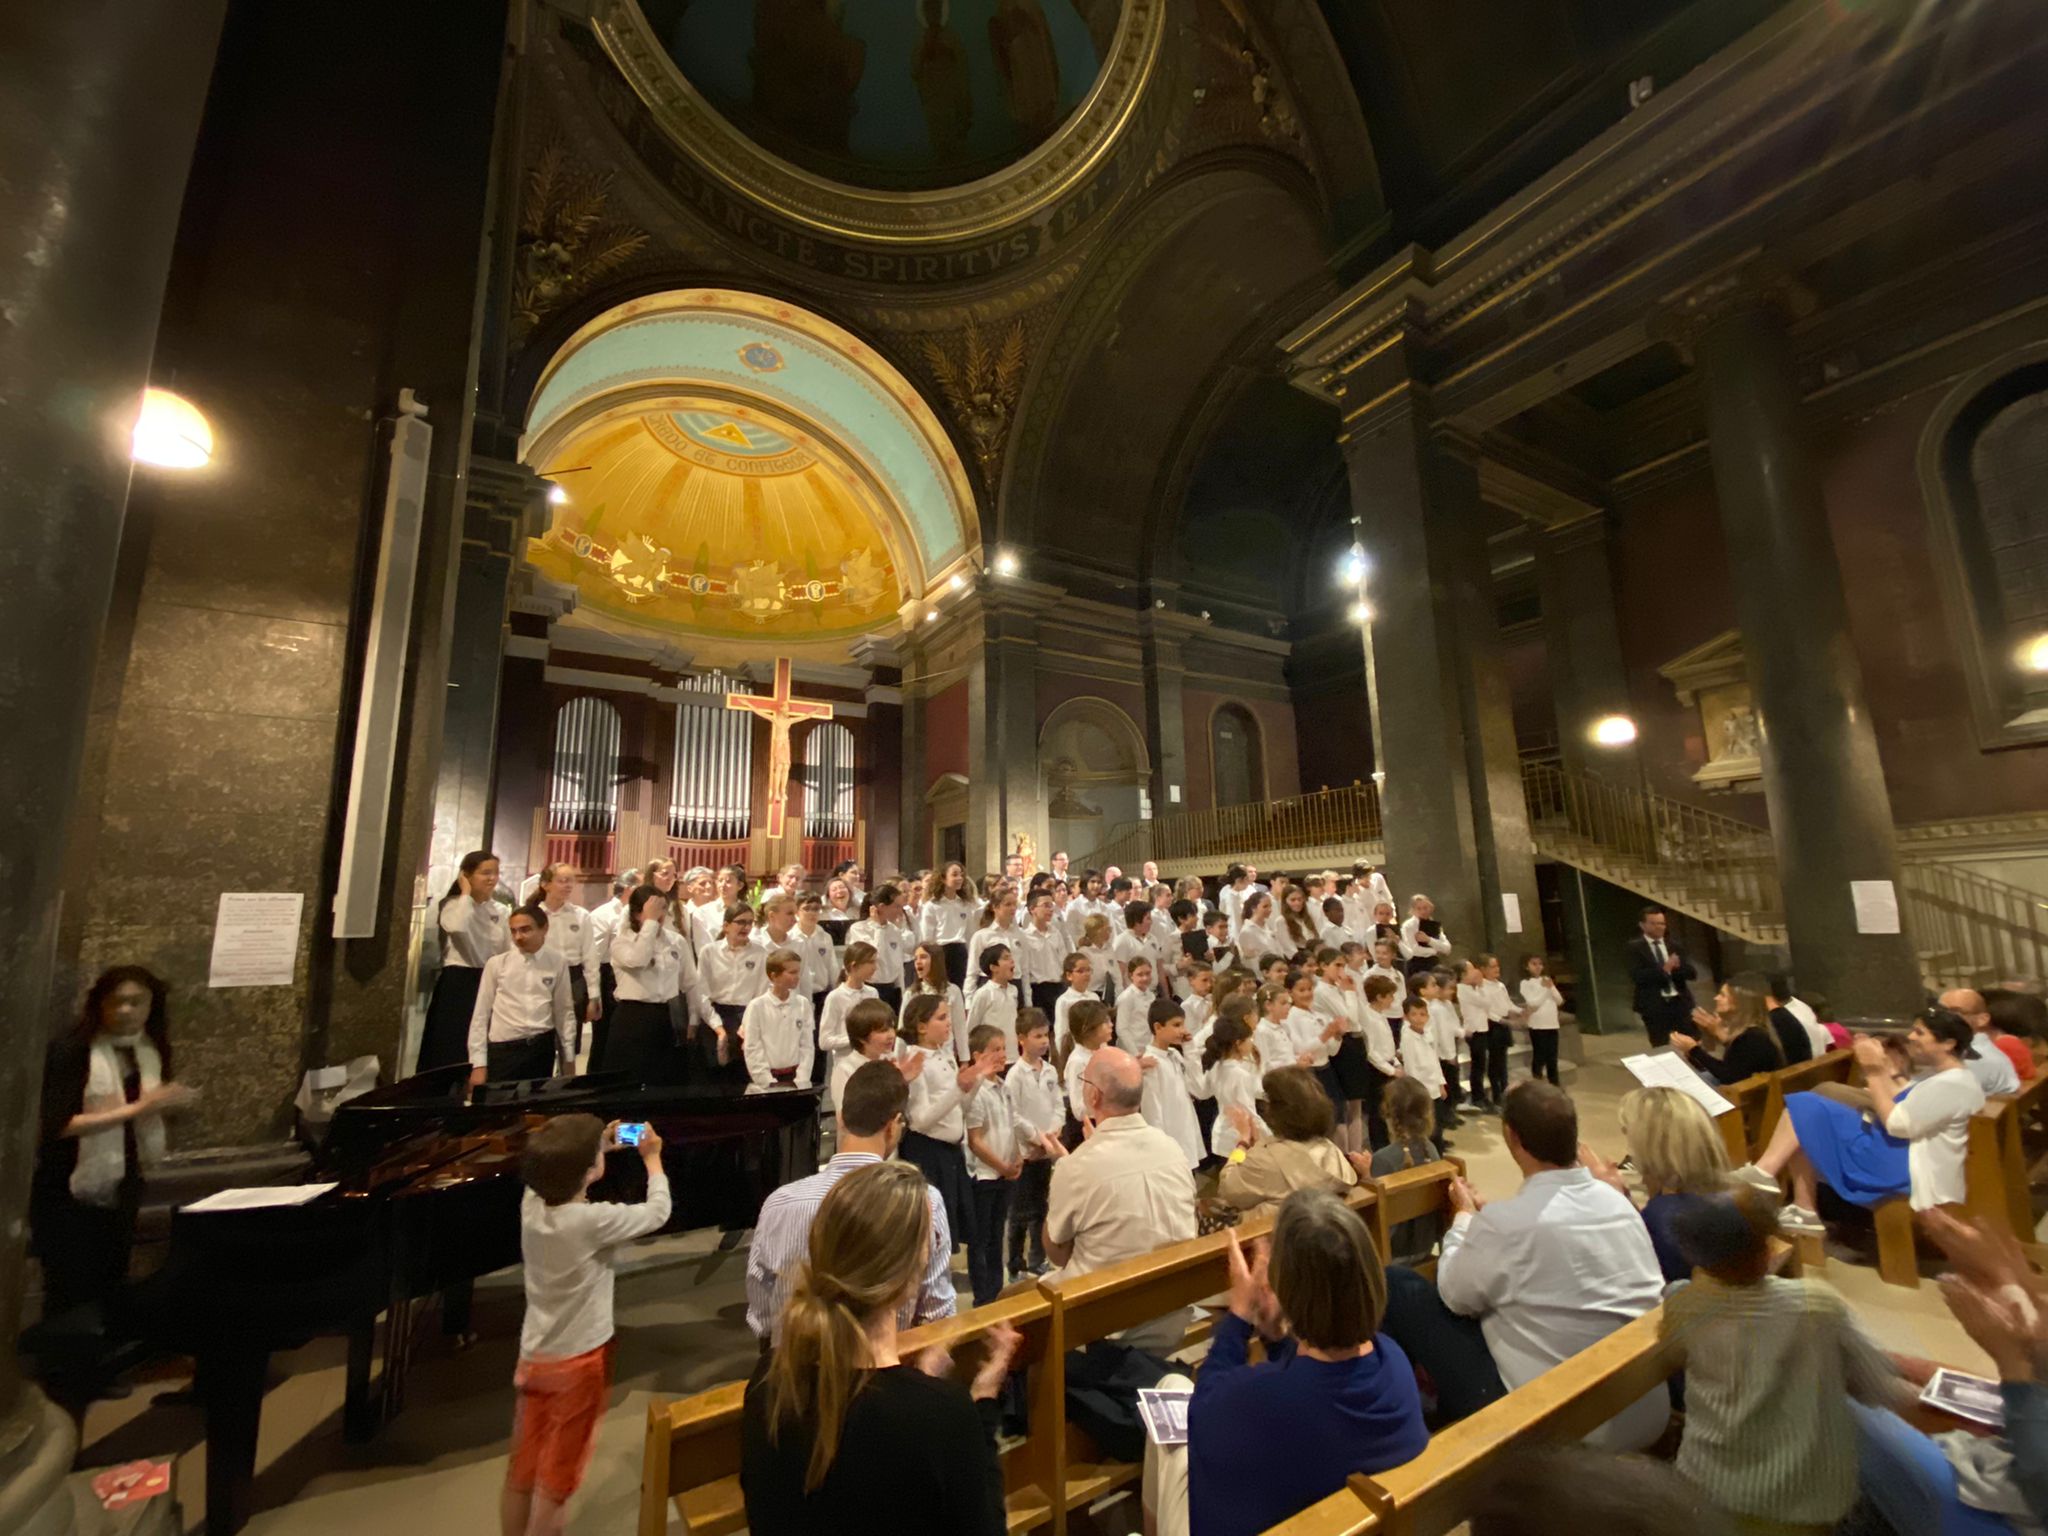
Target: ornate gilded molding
[(1056, 168), (568, 237), (982, 380)]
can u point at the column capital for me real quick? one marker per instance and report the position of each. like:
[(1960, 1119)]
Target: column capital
[(1755, 283), (504, 505)]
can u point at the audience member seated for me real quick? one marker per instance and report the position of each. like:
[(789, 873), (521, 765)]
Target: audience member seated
[(1529, 1281), (1680, 1159), (1794, 1043), (1997, 1061), (1411, 1118), (1770, 1367), (872, 1105), (839, 1433), (1960, 1483), (1541, 1490), (1124, 1191), (1911, 1142), (2020, 1021), (1739, 1028), (1334, 1395), (1298, 1155)]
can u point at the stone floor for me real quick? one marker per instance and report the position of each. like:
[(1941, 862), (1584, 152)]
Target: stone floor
[(681, 1321)]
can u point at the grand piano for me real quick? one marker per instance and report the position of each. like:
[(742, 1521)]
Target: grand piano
[(427, 1200)]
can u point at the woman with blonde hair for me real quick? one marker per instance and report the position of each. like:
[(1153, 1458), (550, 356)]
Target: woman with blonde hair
[(840, 1433), (1681, 1160)]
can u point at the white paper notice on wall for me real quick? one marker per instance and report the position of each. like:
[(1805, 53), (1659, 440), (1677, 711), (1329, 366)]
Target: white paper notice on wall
[(1511, 909), (256, 939), (1877, 906)]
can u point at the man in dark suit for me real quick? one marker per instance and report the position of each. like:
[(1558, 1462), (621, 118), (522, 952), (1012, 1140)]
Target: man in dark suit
[(1660, 974)]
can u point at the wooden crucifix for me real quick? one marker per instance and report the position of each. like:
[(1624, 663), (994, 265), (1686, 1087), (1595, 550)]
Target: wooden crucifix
[(780, 711)]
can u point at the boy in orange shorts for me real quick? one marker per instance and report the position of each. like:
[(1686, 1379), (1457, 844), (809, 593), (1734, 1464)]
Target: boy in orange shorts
[(565, 1349)]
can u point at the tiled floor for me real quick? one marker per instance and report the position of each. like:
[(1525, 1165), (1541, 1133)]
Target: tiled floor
[(680, 1309)]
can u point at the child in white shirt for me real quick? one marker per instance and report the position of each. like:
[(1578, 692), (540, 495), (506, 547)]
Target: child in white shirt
[(1274, 1045), (1039, 1109), (935, 1120), (853, 988), (995, 1161), (1079, 975), (1419, 1060), (928, 975), (567, 1241), (996, 1005), (1167, 1101), (1380, 1021), (1133, 1006), (1096, 947), (1540, 1003), (1230, 1061), (777, 1030), (871, 1036), (1445, 1035), (1089, 1025)]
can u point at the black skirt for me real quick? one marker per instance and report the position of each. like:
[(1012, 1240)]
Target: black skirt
[(1045, 996), (643, 1043), (956, 963), (1354, 1070), (944, 1166), (1326, 1074), (445, 1039)]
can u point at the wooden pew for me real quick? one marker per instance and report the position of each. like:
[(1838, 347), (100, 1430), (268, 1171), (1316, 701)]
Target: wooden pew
[(691, 1458), (1834, 1067), (1407, 1195), (1430, 1495)]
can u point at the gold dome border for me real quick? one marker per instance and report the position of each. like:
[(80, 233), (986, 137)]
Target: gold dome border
[(973, 209)]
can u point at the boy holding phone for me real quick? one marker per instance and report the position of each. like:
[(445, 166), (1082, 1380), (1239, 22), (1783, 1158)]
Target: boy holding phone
[(565, 1349)]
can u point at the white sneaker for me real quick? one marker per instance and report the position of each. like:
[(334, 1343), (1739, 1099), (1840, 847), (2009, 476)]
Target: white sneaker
[(1757, 1180), (1797, 1218)]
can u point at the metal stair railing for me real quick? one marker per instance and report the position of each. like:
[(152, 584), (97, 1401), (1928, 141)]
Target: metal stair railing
[(1969, 929), (1344, 816)]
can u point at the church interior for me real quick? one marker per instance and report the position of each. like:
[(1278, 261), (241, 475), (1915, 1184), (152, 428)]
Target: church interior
[(1574, 458)]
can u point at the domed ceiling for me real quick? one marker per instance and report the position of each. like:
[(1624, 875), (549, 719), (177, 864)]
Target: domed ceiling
[(719, 521), (891, 95)]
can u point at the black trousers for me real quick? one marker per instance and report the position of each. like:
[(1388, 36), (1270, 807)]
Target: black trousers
[(1045, 996), (735, 1068), (956, 963), (985, 1248), (1033, 1192), (1489, 1062), (643, 1043), (890, 993), (508, 1061), (84, 1251), (1376, 1133), (1543, 1053), (1669, 1014)]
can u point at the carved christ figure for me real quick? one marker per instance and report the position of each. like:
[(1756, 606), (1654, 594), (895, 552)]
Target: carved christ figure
[(781, 711)]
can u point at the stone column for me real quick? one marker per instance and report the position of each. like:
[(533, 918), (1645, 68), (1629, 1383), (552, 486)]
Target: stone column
[(506, 505), (914, 840), (1160, 638), (1003, 795), (1583, 638), (99, 108), (1457, 826), (1831, 819)]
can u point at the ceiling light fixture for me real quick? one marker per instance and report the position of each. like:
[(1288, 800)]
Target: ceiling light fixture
[(1613, 731), (170, 432)]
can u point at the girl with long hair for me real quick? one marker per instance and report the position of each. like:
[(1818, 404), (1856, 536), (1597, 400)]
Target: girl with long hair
[(472, 923), (648, 960), (107, 1087), (839, 1432)]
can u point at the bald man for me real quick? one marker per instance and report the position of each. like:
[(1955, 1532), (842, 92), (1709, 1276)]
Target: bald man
[(1125, 1191), (1998, 1062)]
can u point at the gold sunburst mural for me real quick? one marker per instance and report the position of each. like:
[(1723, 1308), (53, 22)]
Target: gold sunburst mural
[(720, 521)]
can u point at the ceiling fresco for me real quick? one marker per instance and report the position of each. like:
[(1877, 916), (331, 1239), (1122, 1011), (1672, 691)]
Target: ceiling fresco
[(719, 520), (904, 95)]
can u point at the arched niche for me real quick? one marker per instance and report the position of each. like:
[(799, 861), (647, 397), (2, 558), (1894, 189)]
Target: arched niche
[(1237, 756), (1093, 764)]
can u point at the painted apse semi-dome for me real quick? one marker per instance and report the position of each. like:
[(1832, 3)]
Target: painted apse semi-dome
[(891, 95)]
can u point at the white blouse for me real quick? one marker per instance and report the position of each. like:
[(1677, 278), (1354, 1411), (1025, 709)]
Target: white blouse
[(948, 919), (472, 931), (1235, 1082), (734, 977), (1934, 1115)]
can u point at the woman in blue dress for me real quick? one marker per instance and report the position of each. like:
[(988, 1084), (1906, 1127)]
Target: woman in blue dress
[(1911, 1141)]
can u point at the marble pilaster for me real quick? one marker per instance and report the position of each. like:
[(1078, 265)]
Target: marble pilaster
[(1587, 677)]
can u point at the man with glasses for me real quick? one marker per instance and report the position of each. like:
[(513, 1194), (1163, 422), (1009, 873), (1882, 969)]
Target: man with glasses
[(1124, 1192)]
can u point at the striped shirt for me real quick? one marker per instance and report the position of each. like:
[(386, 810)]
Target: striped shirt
[(782, 1243), (1769, 1371)]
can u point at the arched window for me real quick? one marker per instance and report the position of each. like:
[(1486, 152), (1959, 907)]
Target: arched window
[(712, 799), (583, 790), (828, 781), (1988, 501), (1237, 757)]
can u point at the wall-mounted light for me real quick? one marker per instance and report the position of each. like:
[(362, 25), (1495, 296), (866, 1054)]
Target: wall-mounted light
[(931, 615), (170, 432), (1613, 731), (1361, 613), (1354, 567), (958, 582), (2034, 653), (557, 497), (1007, 563)]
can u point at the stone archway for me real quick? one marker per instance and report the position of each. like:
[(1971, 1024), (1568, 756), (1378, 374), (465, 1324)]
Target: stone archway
[(1093, 764)]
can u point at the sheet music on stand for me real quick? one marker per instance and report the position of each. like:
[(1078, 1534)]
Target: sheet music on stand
[(1671, 1071)]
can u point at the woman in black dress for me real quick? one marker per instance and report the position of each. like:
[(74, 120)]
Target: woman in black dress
[(1740, 1027), (840, 1433), (106, 1089)]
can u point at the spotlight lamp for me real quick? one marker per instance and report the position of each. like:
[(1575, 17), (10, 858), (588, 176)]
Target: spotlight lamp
[(2034, 653), (1006, 563), (170, 432), (1613, 731)]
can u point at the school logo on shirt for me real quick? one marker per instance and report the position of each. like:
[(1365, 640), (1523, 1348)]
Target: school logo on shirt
[(575, 928), (548, 982), (750, 962)]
